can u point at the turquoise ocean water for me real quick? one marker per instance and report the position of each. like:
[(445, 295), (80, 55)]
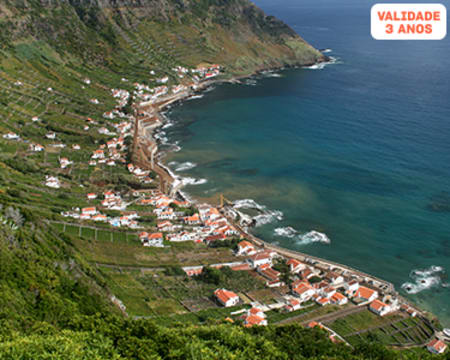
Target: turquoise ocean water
[(358, 150)]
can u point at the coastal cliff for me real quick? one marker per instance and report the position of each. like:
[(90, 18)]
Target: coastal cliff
[(159, 33)]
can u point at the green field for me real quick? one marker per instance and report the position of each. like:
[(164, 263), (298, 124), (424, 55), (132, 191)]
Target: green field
[(394, 329)]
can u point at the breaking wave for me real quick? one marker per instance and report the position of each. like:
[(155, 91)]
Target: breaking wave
[(185, 166), (322, 65), (302, 239), (288, 232), (168, 125), (248, 204), (250, 82), (423, 279), (313, 237), (267, 216), (195, 97), (192, 181)]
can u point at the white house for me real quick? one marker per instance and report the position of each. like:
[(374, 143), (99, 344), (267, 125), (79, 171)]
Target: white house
[(98, 154), (89, 211), (64, 162), (339, 299), (351, 287), (304, 292), (36, 147), (292, 305), (154, 239), (51, 136), (245, 248), (99, 217), (436, 346), (328, 292), (11, 136), (295, 266), (379, 307), (165, 226), (260, 259), (334, 278), (52, 182), (365, 294), (226, 298)]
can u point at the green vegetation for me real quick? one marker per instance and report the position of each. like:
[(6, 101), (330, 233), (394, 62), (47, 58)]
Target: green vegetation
[(79, 290), (390, 330)]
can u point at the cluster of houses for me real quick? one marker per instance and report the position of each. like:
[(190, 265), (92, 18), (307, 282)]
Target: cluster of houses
[(122, 97), (251, 317), (308, 284), (206, 72), (114, 150), (146, 93), (111, 201), (206, 225)]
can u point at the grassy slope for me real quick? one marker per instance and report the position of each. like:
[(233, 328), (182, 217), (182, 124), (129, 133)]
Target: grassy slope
[(46, 281)]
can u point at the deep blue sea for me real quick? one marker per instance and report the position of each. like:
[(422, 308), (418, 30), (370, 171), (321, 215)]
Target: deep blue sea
[(358, 150)]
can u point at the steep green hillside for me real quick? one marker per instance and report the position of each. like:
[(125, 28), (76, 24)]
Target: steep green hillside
[(233, 33), (59, 281)]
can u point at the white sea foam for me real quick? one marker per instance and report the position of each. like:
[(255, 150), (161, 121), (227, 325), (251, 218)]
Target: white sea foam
[(248, 204), (267, 216), (302, 239), (423, 279), (325, 51), (185, 166), (322, 65), (168, 125), (270, 74), (288, 232), (195, 97), (250, 82), (192, 181), (312, 237)]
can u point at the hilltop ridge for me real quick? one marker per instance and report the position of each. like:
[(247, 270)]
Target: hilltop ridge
[(234, 33)]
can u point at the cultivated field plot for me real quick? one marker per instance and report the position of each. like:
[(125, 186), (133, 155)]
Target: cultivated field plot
[(396, 329), (97, 234), (264, 296), (152, 293), (132, 253)]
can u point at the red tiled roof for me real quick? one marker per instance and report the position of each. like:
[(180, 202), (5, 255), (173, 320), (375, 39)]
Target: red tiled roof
[(294, 263), (364, 293), (241, 267), (377, 305), (437, 344), (224, 295), (337, 297), (155, 236), (253, 320), (244, 244)]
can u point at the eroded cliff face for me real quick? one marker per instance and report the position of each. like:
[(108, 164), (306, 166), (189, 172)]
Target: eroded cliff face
[(235, 33)]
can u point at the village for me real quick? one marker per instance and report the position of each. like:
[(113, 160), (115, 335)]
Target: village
[(163, 219)]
